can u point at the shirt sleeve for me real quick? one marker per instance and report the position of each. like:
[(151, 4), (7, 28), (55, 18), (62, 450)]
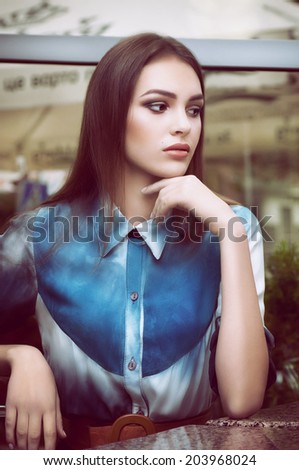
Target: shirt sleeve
[(255, 242), (17, 273)]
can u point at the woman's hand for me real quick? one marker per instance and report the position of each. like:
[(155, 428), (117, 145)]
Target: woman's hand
[(189, 193), (32, 405)]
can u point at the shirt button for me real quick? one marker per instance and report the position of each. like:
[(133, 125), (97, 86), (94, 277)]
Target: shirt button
[(132, 364), (134, 296)]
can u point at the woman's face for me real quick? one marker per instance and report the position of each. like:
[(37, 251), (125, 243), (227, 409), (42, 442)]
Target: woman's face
[(163, 123)]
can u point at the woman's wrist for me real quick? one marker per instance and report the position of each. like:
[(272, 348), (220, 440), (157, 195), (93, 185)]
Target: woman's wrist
[(226, 225), (233, 231), (17, 353)]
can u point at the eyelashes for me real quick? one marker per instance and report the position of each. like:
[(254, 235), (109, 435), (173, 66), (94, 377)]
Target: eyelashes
[(156, 106), (194, 111), (159, 107)]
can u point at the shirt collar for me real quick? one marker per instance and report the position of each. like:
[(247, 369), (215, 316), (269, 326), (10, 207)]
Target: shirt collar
[(114, 228)]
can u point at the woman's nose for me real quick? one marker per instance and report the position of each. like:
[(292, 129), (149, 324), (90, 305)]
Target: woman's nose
[(181, 123)]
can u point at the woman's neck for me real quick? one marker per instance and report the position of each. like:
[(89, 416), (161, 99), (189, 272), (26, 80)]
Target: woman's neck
[(135, 205)]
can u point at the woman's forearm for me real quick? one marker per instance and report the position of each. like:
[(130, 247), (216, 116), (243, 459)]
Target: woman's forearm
[(241, 356)]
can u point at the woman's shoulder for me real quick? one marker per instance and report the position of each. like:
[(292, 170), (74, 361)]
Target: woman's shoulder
[(247, 217), (53, 210), (242, 211), (22, 224)]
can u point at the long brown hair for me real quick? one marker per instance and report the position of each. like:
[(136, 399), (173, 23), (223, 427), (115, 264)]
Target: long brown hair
[(100, 160)]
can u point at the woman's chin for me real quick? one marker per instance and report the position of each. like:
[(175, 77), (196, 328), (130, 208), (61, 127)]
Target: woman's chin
[(172, 174), (171, 171)]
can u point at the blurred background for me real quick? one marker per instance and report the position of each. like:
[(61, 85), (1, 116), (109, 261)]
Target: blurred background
[(252, 127)]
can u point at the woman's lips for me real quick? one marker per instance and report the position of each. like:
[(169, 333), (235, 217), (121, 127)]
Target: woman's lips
[(178, 150)]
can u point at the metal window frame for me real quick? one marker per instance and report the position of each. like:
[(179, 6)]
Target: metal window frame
[(213, 54)]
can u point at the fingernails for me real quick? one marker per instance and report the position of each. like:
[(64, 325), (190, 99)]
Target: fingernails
[(143, 190), (11, 446)]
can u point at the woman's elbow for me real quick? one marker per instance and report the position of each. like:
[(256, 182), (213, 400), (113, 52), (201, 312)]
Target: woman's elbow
[(241, 407), (242, 398)]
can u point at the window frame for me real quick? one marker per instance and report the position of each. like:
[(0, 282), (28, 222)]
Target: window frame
[(213, 54)]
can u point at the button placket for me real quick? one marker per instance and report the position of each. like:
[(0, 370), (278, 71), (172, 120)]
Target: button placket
[(134, 324)]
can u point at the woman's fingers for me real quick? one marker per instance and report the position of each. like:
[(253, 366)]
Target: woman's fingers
[(181, 192), (10, 425), (50, 432), (34, 431), (158, 185), (168, 198), (33, 409), (59, 422), (22, 430)]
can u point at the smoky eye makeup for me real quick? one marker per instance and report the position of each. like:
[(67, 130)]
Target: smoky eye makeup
[(199, 103), (194, 111), (156, 106)]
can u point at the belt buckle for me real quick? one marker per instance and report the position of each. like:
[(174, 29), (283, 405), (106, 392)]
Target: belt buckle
[(128, 419)]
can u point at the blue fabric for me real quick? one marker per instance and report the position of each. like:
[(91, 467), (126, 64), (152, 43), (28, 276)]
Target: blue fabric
[(89, 296), (126, 323)]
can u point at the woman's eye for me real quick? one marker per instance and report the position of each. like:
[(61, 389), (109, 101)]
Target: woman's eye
[(157, 107), (194, 111)]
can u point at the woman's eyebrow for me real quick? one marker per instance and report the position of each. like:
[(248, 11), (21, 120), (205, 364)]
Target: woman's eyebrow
[(169, 94)]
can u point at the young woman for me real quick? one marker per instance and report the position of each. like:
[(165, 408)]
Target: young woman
[(130, 266)]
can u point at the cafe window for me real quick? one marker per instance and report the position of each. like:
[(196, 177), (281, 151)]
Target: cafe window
[(252, 146), (251, 150)]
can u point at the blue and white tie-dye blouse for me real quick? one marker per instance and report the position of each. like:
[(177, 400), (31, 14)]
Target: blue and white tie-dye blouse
[(126, 318)]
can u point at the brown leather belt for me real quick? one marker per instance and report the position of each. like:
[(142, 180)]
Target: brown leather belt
[(82, 434)]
